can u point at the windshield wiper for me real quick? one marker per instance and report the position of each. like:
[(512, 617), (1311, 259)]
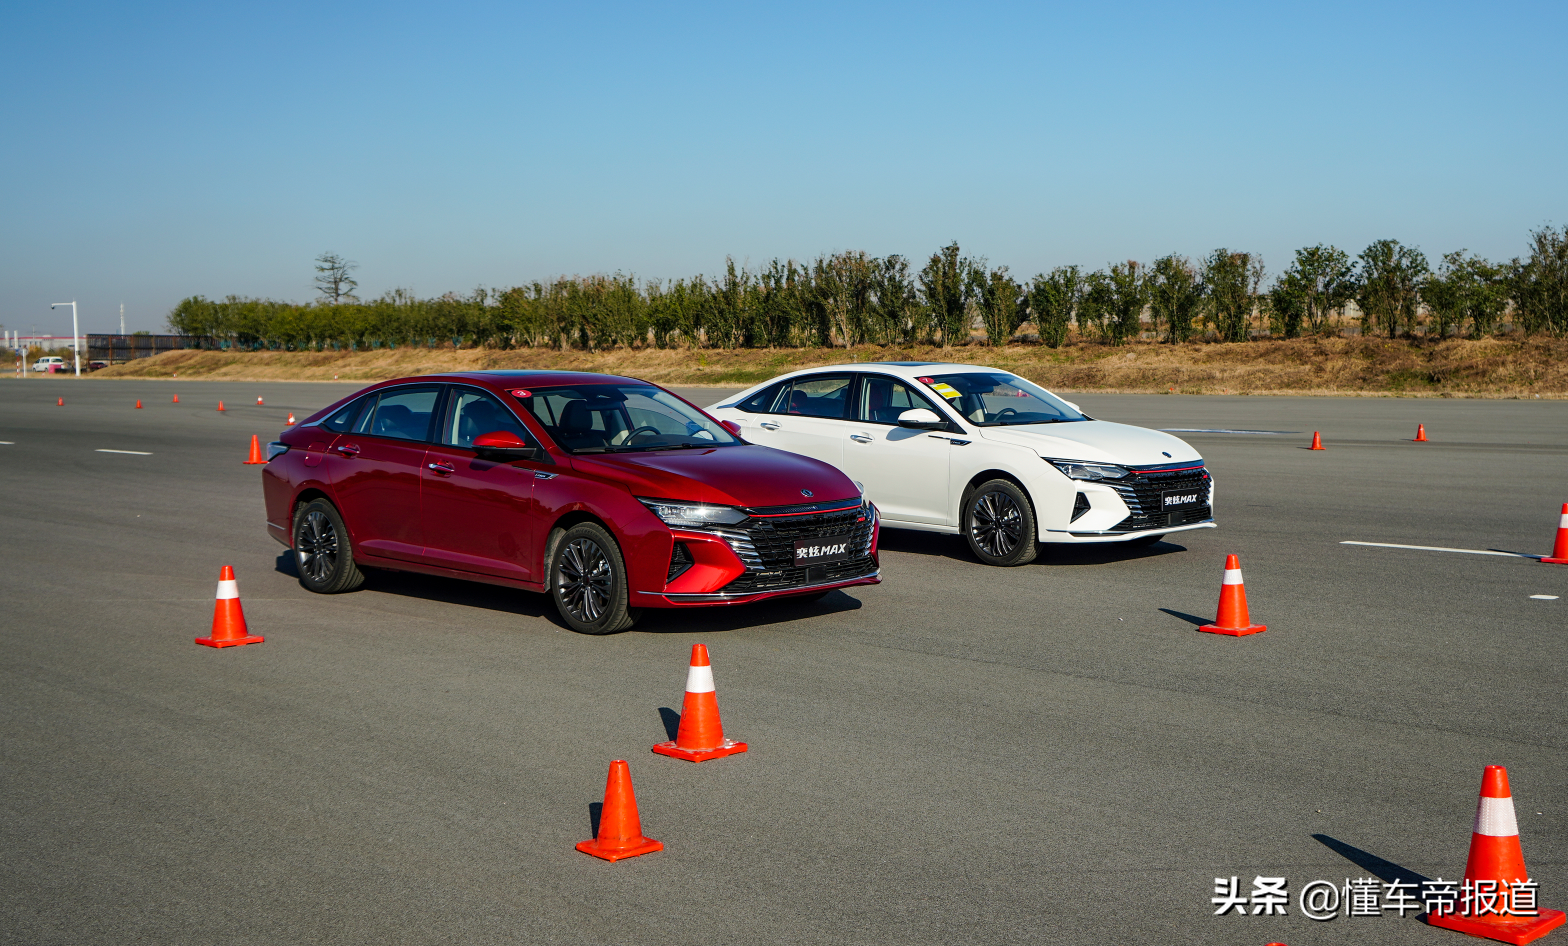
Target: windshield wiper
[(1025, 423)]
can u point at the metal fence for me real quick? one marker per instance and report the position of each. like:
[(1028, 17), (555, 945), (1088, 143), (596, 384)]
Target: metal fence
[(118, 348)]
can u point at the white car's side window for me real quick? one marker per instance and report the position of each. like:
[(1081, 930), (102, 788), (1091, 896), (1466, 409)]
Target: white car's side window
[(882, 399), (811, 396)]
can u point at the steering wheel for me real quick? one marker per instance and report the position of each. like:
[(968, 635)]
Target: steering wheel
[(637, 430), (1005, 411)]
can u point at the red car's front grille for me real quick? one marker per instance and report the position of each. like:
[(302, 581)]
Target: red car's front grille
[(766, 544)]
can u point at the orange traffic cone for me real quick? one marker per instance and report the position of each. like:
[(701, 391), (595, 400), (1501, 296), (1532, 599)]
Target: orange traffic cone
[(290, 421), (701, 735), (138, 403), (59, 402), (220, 405), (258, 402), (1420, 434), (255, 452), (1559, 554), (228, 619), (1233, 619), (176, 399), (620, 830), (1495, 878), (1317, 442)]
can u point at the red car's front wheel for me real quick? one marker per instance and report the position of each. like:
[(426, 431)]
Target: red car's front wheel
[(588, 581)]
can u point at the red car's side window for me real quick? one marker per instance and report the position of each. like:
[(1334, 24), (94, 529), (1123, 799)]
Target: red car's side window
[(400, 414), (472, 413)]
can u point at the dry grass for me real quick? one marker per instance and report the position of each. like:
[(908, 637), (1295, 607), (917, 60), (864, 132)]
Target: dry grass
[(1494, 368)]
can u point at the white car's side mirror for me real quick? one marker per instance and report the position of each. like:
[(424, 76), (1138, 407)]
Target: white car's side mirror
[(921, 419), (1072, 405)]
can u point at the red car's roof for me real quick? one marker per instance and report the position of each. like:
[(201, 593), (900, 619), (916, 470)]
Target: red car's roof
[(503, 379)]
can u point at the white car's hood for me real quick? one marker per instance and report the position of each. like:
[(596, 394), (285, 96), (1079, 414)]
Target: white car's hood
[(1096, 440)]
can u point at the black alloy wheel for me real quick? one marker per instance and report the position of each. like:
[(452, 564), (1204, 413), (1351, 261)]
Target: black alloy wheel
[(999, 524), (322, 551), (588, 581)]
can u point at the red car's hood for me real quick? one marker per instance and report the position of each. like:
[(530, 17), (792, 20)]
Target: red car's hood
[(732, 476)]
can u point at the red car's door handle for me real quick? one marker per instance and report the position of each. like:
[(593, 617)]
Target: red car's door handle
[(348, 450), (442, 469)]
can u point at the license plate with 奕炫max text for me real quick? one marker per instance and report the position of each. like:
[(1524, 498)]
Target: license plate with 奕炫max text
[(818, 551)]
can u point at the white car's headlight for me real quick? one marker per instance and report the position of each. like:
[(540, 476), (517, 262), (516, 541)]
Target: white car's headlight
[(1077, 470), (693, 515)]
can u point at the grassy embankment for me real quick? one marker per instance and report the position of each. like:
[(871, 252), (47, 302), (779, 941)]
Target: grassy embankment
[(1493, 368)]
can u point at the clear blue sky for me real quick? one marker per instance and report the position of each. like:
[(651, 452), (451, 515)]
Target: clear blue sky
[(152, 151)]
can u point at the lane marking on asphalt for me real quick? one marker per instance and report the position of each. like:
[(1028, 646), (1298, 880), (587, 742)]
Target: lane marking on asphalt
[(1221, 430), (134, 453), (1544, 597), (8, 443), (1438, 548)]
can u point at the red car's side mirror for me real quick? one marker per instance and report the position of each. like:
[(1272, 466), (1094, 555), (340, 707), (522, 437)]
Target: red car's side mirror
[(499, 438), (731, 426), (503, 445)]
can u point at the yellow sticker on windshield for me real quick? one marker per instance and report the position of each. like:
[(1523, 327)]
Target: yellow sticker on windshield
[(946, 390)]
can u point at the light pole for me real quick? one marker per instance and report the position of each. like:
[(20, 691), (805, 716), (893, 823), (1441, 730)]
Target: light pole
[(76, 342)]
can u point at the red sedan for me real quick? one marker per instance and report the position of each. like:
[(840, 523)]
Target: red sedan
[(610, 494)]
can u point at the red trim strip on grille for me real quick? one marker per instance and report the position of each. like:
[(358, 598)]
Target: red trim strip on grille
[(809, 512)]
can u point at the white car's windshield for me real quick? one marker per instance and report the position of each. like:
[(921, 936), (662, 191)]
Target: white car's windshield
[(999, 399), (614, 418)]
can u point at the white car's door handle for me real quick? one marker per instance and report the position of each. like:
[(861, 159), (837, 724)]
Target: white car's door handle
[(860, 438), (768, 425)]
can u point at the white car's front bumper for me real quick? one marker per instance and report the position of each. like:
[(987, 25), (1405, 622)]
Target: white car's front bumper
[(1069, 538), (1108, 510)]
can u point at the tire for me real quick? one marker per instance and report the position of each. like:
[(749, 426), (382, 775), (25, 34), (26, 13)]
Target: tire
[(323, 552), (1143, 541), (999, 524), (588, 581)]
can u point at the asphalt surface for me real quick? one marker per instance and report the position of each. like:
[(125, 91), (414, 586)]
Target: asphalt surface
[(1047, 754)]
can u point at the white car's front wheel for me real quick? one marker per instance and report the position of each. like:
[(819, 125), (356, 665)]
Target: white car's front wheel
[(999, 524)]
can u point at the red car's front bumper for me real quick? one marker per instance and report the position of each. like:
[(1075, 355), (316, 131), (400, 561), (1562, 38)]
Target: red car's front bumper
[(715, 565), (647, 599)]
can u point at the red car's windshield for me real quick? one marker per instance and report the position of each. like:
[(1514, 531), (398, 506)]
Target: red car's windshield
[(612, 418)]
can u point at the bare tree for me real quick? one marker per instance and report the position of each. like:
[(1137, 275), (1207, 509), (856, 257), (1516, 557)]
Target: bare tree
[(333, 280)]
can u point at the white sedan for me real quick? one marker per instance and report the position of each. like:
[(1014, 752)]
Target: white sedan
[(982, 452)]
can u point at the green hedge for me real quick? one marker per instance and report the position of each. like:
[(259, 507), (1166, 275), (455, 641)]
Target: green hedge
[(851, 298)]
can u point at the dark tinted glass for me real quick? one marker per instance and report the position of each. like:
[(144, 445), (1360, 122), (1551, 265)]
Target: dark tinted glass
[(816, 396), (763, 401), (882, 399), (400, 413), (474, 412), (344, 419)]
